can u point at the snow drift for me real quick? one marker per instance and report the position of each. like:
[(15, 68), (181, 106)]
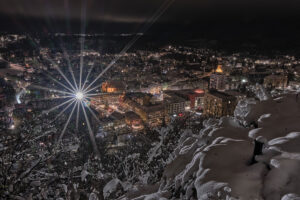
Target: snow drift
[(220, 161)]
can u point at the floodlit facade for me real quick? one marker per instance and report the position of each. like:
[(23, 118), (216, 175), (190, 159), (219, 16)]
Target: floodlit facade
[(275, 81), (113, 86), (217, 81), (218, 104)]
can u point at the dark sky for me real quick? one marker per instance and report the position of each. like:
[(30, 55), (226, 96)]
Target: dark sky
[(139, 10), (274, 17)]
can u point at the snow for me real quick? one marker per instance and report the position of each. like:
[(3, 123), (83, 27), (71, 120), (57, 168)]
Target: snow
[(154, 152), (206, 162), (229, 166), (111, 187), (290, 197), (217, 163), (282, 179), (93, 196), (84, 174), (243, 108), (261, 118), (287, 138), (254, 132), (260, 92), (154, 196)]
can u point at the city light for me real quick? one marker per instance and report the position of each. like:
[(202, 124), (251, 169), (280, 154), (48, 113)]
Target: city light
[(219, 69), (244, 80), (79, 96), (205, 100), (12, 127)]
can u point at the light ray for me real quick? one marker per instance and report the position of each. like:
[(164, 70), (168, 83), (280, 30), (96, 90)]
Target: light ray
[(99, 76), (66, 124), (93, 114), (67, 14), (58, 82), (80, 92), (83, 21), (77, 116), (67, 57), (54, 79), (53, 98), (70, 68), (61, 112), (81, 63), (61, 73), (87, 76), (50, 89), (55, 107), (79, 96), (96, 94), (93, 141), (146, 26)]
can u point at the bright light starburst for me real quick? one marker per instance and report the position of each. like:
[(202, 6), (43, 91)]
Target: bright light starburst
[(79, 96), (76, 92)]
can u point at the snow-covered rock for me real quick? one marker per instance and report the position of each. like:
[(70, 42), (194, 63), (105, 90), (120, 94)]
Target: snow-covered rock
[(219, 163), (111, 187)]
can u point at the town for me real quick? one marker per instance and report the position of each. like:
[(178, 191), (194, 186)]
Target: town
[(148, 88)]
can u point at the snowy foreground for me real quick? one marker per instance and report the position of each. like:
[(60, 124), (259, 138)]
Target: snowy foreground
[(252, 156), (223, 161)]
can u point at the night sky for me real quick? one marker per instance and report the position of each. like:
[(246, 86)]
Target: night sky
[(219, 18)]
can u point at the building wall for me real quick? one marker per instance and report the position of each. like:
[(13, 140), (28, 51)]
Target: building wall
[(156, 118), (199, 102), (276, 81), (104, 99), (217, 81), (216, 106), (175, 107)]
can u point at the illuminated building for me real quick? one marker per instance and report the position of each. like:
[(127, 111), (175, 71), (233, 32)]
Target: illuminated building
[(217, 81), (140, 98), (275, 81), (133, 120), (103, 100), (113, 86), (114, 122), (152, 115), (234, 82), (175, 104), (119, 120), (194, 99), (219, 69), (218, 104), (156, 115), (155, 89)]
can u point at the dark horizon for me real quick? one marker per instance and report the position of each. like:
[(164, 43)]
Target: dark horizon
[(258, 22), (117, 16)]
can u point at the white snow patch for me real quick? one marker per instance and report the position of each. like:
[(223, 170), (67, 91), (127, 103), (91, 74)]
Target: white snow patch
[(111, 187)]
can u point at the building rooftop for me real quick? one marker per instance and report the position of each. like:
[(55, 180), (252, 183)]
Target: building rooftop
[(234, 93), (132, 115), (221, 95), (171, 97), (117, 116)]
